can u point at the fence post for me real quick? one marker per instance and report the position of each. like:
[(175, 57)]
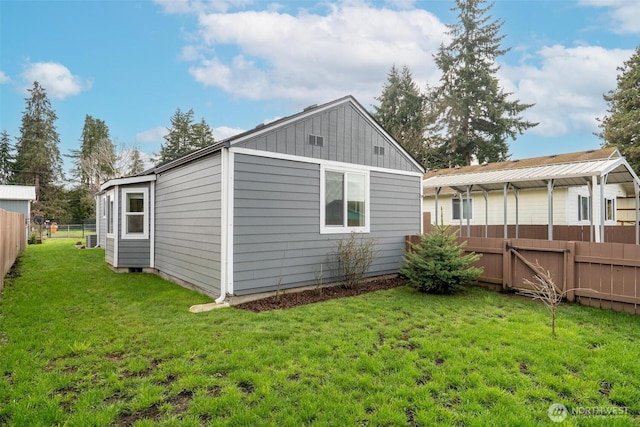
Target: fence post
[(570, 271), (506, 264)]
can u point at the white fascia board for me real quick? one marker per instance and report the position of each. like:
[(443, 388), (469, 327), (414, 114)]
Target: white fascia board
[(327, 163), (127, 181)]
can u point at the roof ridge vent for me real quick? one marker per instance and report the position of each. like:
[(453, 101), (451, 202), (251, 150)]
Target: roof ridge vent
[(310, 107)]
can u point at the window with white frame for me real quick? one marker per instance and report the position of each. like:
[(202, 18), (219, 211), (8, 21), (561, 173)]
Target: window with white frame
[(584, 205), (135, 211), (467, 208), (104, 206), (610, 210), (344, 201)]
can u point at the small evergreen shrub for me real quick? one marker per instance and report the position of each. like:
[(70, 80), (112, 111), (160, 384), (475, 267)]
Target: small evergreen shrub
[(438, 265)]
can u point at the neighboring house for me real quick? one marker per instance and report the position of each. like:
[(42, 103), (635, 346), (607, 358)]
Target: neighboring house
[(18, 198), (559, 189), (264, 210)]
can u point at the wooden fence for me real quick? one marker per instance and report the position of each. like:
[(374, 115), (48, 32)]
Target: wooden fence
[(605, 275), (578, 233), (12, 240)]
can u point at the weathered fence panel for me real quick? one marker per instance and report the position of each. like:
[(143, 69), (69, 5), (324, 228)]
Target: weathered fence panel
[(12, 240), (605, 275)]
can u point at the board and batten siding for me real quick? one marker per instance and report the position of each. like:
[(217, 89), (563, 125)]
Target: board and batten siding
[(188, 223), (277, 241), (349, 137)]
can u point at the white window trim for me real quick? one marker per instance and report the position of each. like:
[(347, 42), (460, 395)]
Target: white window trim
[(613, 209), (145, 216), (580, 219), (114, 229), (104, 206), (324, 229), (453, 200)]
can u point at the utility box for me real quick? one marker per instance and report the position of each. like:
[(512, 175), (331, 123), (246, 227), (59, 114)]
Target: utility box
[(92, 240)]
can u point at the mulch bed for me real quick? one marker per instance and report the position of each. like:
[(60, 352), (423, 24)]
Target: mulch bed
[(290, 299)]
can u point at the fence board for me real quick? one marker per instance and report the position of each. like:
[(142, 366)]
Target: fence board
[(604, 275), (12, 240)]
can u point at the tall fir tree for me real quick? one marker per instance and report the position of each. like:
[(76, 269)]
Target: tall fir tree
[(402, 112), (136, 163), (95, 161), (38, 161), (621, 127), (6, 158), (185, 136), (473, 115)]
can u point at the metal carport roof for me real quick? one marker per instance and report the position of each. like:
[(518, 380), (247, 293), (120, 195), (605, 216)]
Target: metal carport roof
[(607, 166)]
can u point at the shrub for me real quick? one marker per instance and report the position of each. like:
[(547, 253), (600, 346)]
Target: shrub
[(438, 265), (353, 257)]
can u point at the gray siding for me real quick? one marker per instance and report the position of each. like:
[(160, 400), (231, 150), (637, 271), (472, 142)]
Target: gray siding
[(188, 223), (277, 223), (348, 137), (108, 249), (19, 206), (101, 222), (134, 253)]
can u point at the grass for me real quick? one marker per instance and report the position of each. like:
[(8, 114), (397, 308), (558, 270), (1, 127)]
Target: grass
[(82, 346)]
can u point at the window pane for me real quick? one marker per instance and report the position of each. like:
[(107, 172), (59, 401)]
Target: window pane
[(135, 223), (110, 216), (455, 206), (355, 200), (466, 206), (334, 198), (584, 208), (610, 208), (135, 202)]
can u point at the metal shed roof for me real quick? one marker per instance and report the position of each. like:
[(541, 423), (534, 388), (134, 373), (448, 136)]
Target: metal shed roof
[(17, 192), (570, 169)]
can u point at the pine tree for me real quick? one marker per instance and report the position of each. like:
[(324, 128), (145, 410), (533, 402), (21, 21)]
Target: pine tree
[(95, 161), (6, 158), (137, 165), (621, 128), (38, 160), (401, 112), (185, 136), (473, 114)]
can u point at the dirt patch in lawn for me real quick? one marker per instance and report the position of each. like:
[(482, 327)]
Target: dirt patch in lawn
[(291, 299)]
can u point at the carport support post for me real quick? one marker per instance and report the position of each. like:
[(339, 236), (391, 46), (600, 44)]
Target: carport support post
[(505, 191), (603, 207), (590, 187), (550, 204), (437, 192), (516, 192), (486, 213), (461, 211), (636, 186), (468, 211)]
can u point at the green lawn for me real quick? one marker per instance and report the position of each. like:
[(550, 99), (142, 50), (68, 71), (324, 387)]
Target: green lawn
[(82, 346)]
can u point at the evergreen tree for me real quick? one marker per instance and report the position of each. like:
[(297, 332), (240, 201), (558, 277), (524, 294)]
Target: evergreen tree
[(38, 160), (95, 161), (185, 136), (472, 113), (137, 165), (6, 158), (402, 112), (621, 128)]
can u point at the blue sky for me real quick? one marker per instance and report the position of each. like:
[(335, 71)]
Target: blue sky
[(239, 63)]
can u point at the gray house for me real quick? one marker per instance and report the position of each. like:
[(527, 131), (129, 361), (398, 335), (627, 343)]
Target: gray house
[(265, 209)]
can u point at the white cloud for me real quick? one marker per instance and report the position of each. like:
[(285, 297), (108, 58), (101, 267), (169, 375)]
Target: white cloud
[(223, 132), (567, 87), (55, 78), (625, 14), (151, 135), (4, 78), (311, 58)]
